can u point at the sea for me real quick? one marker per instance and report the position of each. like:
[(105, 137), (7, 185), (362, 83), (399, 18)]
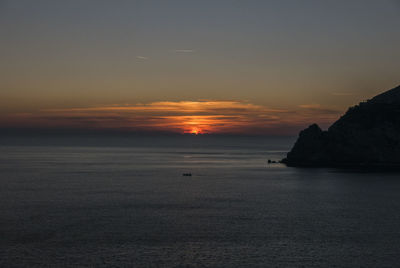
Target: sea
[(124, 202)]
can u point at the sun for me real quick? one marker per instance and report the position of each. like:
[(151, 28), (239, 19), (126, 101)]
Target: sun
[(195, 131)]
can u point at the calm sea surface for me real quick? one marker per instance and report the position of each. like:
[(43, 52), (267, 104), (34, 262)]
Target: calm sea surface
[(128, 205)]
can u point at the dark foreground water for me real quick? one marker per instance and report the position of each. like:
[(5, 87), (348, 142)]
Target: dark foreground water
[(130, 206)]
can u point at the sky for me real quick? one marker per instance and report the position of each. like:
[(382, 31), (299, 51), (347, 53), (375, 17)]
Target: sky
[(237, 67)]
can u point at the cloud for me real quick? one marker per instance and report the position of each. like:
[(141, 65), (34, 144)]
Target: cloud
[(310, 106), (184, 50), (319, 109), (342, 94), (207, 116)]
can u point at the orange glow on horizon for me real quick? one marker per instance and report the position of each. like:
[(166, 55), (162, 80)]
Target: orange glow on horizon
[(194, 117)]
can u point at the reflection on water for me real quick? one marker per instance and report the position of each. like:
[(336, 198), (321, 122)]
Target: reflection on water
[(131, 206)]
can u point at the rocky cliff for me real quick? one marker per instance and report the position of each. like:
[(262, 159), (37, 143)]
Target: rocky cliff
[(367, 135)]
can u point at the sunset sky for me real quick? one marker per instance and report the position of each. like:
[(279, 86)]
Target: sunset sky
[(245, 67)]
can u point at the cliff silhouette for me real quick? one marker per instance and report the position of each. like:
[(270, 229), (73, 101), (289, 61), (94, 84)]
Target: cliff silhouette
[(367, 135)]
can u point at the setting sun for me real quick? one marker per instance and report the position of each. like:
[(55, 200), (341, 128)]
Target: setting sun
[(195, 131)]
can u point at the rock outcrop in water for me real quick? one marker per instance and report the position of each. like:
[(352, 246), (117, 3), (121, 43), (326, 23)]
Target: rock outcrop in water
[(367, 135)]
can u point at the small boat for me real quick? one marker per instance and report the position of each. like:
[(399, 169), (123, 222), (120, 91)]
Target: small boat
[(187, 174)]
